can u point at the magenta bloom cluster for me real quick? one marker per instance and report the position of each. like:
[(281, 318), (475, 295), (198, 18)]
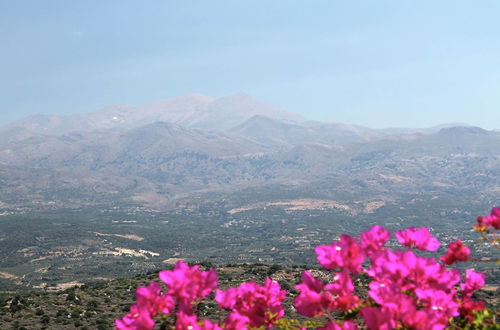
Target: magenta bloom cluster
[(252, 305), (491, 220), (406, 290), (185, 285)]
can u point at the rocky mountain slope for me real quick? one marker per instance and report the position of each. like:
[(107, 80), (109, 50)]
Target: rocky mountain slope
[(160, 152)]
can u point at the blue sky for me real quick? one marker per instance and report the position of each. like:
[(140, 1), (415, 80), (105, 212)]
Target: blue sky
[(375, 63)]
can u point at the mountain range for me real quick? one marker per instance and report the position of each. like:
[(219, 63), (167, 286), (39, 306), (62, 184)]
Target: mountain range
[(158, 153), (191, 111)]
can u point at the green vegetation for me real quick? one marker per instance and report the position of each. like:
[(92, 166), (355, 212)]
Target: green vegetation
[(84, 245)]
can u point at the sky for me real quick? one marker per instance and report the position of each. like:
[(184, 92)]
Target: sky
[(376, 63)]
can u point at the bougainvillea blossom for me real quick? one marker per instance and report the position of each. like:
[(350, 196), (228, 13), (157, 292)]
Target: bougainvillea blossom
[(473, 281), (258, 305), (191, 322), (373, 240), (378, 318), (493, 219), (345, 254), (419, 238), (188, 284), (136, 319), (342, 291), (149, 298), (468, 306), (311, 299), (457, 251)]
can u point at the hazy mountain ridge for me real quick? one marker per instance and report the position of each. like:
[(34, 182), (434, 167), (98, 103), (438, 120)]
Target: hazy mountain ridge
[(132, 154), (191, 110), (429, 130), (279, 134)]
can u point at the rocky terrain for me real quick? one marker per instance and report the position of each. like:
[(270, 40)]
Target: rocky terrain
[(159, 153)]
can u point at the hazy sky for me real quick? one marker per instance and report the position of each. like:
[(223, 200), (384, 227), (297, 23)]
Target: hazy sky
[(413, 63)]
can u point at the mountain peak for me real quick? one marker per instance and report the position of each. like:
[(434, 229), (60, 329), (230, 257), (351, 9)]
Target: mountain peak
[(239, 99)]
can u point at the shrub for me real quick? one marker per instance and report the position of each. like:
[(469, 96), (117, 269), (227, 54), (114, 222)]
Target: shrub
[(405, 290)]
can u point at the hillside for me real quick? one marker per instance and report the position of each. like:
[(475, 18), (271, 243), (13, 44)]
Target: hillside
[(171, 160)]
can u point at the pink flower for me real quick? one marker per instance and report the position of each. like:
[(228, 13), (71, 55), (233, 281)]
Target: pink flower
[(378, 318), (419, 238), (457, 251), (493, 219), (190, 322), (236, 321), (149, 303), (473, 281), (342, 284), (408, 271), (393, 300), (438, 302), (428, 273), (255, 304), (439, 307), (188, 283), (148, 298), (374, 239), (135, 320), (389, 267), (342, 289), (344, 254), (315, 297), (381, 293), (311, 300), (481, 227), (420, 320), (468, 306)]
